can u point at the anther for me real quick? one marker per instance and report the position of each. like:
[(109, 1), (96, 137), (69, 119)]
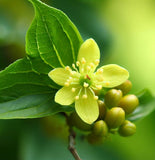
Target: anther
[(85, 84), (88, 68), (77, 97), (72, 73), (77, 63), (107, 83), (68, 80), (66, 84), (67, 68), (96, 97), (97, 61), (83, 61), (73, 89), (91, 65), (99, 87), (84, 96), (100, 70), (73, 65)]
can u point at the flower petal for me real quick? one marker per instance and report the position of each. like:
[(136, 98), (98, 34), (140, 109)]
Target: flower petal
[(111, 75), (87, 108), (65, 96), (89, 51), (59, 75)]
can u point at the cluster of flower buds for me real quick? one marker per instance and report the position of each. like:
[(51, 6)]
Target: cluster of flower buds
[(113, 112)]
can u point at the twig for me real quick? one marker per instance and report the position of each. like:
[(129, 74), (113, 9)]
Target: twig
[(71, 145), (71, 139)]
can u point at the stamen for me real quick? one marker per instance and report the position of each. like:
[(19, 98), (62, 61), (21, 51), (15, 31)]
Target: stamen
[(77, 97), (73, 89), (88, 68), (72, 73), (96, 97), (66, 84), (100, 70), (85, 84), (91, 65), (107, 83), (83, 61), (67, 68), (77, 63), (82, 70), (99, 87), (73, 65), (97, 61), (84, 96), (68, 80)]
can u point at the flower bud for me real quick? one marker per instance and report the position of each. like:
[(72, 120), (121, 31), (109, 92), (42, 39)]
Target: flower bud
[(94, 139), (115, 117), (112, 98), (125, 87), (76, 121), (100, 128), (127, 129), (129, 103), (102, 109)]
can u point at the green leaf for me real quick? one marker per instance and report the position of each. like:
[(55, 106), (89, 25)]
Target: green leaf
[(19, 79), (31, 106), (52, 40), (146, 106), (25, 93)]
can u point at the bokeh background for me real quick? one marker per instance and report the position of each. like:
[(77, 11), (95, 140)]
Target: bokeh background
[(125, 32)]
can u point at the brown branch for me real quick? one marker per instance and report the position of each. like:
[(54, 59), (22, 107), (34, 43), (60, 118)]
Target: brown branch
[(71, 139), (71, 145)]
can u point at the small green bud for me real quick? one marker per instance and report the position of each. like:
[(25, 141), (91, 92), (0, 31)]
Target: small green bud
[(100, 128), (115, 117), (94, 139), (129, 103), (102, 109), (127, 129), (75, 120), (125, 87), (112, 98)]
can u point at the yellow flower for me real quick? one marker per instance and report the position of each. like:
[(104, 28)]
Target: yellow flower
[(80, 81)]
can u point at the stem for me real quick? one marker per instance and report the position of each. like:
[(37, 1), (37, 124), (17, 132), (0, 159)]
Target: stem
[(71, 140), (71, 145)]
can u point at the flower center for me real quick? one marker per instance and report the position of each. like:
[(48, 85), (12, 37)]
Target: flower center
[(85, 81)]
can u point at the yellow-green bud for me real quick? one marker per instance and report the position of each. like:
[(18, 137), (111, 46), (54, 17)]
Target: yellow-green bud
[(76, 121), (94, 139), (100, 128), (129, 103), (112, 98), (102, 109), (125, 87), (127, 129), (115, 117)]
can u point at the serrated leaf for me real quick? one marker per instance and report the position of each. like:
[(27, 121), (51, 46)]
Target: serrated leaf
[(52, 40), (146, 106)]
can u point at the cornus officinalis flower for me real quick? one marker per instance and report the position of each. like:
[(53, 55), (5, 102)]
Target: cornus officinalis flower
[(81, 80)]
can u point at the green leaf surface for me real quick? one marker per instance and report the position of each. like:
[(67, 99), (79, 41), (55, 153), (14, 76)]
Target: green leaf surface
[(19, 79), (52, 40), (146, 106), (31, 106)]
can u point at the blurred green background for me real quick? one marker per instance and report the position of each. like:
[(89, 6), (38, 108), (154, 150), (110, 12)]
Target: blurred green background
[(125, 32)]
